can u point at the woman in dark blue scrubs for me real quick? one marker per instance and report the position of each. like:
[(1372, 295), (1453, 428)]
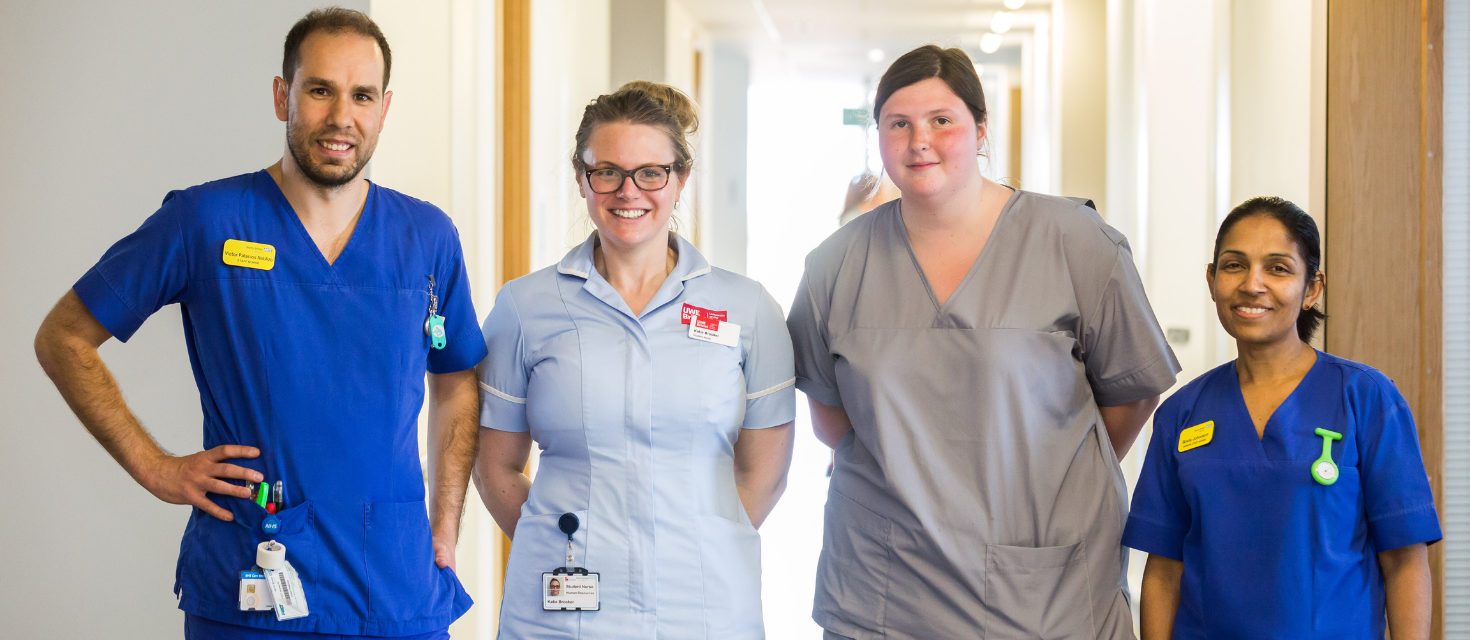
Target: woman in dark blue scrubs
[(1284, 494)]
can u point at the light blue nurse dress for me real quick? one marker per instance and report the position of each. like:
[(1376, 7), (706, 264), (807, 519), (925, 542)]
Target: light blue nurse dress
[(637, 424)]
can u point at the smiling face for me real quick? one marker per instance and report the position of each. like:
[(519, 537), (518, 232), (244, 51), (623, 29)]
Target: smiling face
[(334, 106), (1259, 283), (630, 218), (929, 139)]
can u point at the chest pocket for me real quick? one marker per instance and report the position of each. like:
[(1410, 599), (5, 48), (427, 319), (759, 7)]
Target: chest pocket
[(721, 384)]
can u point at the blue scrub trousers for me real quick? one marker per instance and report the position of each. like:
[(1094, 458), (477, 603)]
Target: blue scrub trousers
[(200, 628)]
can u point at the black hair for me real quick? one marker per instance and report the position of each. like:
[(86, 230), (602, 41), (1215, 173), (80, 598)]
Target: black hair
[(953, 66), (1303, 232)]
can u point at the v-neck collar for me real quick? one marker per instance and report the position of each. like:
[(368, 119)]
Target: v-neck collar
[(941, 310), (689, 265), (1287, 410), (290, 212)]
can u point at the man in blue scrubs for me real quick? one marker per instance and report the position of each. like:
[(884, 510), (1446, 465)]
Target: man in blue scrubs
[(314, 302)]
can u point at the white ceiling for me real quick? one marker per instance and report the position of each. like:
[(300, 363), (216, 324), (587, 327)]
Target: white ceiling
[(834, 37)]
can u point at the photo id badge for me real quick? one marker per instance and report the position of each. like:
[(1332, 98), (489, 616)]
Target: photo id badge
[(574, 590)]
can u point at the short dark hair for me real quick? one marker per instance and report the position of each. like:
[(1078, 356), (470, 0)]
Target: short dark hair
[(953, 66), (1303, 231), (332, 20)]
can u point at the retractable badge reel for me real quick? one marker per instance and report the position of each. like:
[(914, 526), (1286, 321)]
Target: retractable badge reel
[(434, 325), (569, 588)]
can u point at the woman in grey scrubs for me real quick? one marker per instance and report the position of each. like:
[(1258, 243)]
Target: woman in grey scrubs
[(979, 357)]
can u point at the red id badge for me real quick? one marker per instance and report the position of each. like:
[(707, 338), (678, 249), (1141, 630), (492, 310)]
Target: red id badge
[(690, 312)]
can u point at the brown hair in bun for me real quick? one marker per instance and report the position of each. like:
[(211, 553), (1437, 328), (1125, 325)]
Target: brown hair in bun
[(648, 103)]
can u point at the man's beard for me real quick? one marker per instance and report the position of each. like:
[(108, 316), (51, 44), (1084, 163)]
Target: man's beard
[(323, 175)]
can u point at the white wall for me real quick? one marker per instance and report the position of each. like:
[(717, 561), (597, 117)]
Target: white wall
[(723, 224), (111, 105), (569, 68)]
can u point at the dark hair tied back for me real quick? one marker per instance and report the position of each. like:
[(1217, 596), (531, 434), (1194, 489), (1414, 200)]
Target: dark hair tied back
[(1303, 232), (953, 66)]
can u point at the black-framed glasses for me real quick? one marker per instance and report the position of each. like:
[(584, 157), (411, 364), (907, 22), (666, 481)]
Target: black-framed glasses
[(648, 178)]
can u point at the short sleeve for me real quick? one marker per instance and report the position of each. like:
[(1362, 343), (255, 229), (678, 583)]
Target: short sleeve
[(503, 375), (816, 370), (1160, 516), (464, 347), (1396, 493), (770, 399), (1124, 351), (140, 274)]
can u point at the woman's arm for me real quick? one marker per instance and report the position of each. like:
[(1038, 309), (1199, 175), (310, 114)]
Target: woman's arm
[(1409, 593), (1124, 421), (500, 475), (762, 458), (1160, 599), (830, 423)]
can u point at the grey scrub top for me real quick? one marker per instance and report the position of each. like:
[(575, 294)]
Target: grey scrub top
[(977, 494)]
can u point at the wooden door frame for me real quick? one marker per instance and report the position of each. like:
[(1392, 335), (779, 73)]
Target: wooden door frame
[(1385, 211)]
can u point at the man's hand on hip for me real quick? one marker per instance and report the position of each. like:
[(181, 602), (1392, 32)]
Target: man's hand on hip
[(186, 479)]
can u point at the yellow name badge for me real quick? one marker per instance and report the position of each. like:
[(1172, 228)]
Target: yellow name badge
[(1196, 436), (251, 255)]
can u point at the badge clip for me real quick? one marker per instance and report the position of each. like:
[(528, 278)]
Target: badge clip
[(1324, 470), (434, 325), (569, 588)]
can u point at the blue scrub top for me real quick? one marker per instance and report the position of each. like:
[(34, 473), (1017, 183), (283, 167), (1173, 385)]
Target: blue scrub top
[(322, 367), (637, 424), (1267, 551)]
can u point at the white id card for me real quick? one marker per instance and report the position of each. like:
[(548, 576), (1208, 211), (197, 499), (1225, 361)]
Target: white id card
[(255, 592), (716, 331), (286, 592), (569, 591)]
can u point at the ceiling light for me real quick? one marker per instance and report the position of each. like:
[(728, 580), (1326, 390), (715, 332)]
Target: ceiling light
[(1001, 22), (990, 42), (1015, 4), (875, 55)]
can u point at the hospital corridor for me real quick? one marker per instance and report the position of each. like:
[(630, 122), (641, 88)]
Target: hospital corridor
[(853, 386)]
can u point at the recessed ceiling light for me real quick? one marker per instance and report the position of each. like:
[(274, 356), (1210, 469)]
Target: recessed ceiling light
[(990, 42), (875, 55), (1001, 22), (1015, 4)]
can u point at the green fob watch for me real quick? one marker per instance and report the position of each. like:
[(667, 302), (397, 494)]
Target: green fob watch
[(1324, 470)]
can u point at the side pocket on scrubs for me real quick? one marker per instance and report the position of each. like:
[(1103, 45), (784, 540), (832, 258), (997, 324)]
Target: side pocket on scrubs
[(399, 553), (852, 574), (731, 555), (1037, 592)]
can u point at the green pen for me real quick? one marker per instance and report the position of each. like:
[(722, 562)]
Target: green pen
[(261, 498), (1324, 470)]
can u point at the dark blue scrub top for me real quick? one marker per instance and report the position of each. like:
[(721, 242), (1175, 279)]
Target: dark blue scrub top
[(1267, 551), (322, 367)]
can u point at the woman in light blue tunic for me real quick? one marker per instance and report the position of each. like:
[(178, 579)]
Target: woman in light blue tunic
[(660, 391)]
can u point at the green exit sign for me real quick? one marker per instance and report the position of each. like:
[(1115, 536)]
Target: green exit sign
[(855, 116)]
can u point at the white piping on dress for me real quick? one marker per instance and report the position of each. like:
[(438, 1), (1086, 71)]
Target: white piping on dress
[(766, 392), (501, 394)]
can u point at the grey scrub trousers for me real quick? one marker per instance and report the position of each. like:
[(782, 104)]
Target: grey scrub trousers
[(977, 495)]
